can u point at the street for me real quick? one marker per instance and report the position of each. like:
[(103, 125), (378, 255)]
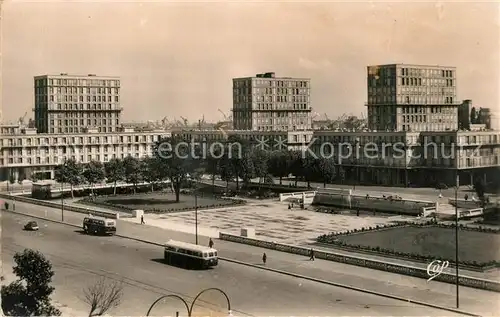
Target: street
[(79, 259)]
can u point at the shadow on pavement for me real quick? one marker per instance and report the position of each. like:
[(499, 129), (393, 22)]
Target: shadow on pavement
[(162, 261)]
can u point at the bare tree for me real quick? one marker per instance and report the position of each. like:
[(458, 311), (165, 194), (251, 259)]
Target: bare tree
[(103, 296)]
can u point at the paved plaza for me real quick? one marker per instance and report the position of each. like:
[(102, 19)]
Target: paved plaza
[(272, 221)]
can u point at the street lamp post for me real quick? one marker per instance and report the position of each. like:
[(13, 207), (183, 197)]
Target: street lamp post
[(189, 308), (196, 215), (456, 238)]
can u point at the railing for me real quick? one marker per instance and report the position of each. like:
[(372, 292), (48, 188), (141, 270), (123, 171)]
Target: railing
[(364, 262)]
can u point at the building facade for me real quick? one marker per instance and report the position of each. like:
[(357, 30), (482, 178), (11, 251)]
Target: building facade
[(70, 103), (269, 103), (266, 140), (412, 98), (24, 152), (397, 158)]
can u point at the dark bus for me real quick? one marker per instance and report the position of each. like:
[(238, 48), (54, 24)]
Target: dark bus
[(189, 256), (99, 226)]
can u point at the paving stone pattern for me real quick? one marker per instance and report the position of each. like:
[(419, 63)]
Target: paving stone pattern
[(273, 221)]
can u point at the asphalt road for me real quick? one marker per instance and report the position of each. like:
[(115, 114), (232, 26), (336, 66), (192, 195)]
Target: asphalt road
[(79, 260)]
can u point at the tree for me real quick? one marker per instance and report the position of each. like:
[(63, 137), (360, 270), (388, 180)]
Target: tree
[(480, 188), (296, 165), (176, 160), (93, 173), (280, 163), (114, 172), (132, 171), (326, 170), (226, 170), (70, 172), (151, 171), (260, 162), (30, 294), (103, 296), (12, 179), (238, 151), (212, 163)]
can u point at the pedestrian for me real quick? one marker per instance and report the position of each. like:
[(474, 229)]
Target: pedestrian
[(466, 197), (142, 220), (264, 258), (440, 195), (311, 254), (210, 243)]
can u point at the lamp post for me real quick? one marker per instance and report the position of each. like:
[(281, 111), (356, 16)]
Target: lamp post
[(196, 215), (189, 308), (62, 202)]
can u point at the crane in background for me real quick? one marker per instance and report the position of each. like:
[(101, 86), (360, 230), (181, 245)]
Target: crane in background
[(185, 121), (21, 119)]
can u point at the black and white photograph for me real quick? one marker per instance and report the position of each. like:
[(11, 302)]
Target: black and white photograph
[(241, 158)]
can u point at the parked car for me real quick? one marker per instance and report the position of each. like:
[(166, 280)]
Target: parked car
[(31, 226)]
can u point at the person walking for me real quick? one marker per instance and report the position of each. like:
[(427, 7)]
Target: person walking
[(210, 243), (142, 220), (311, 255), (264, 258)]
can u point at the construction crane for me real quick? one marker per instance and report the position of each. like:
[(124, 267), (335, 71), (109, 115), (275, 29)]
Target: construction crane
[(21, 119), (185, 121), (225, 116)]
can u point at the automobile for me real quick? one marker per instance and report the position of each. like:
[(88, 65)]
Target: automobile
[(31, 226)]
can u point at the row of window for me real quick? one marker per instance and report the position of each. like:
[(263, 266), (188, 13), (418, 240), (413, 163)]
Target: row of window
[(80, 140), (77, 82), (77, 150), (56, 160), (426, 72), (75, 90), (70, 98)]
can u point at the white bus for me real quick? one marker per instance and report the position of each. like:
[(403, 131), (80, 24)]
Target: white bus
[(99, 226), (190, 256)]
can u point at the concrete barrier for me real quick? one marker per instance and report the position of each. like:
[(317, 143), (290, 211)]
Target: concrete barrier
[(306, 197), (106, 214), (363, 262)]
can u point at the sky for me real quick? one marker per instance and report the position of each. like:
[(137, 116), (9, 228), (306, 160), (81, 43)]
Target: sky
[(178, 58)]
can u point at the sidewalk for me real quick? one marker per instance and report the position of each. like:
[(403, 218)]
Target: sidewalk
[(473, 300)]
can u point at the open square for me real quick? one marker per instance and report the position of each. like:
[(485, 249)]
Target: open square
[(162, 201), (431, 241)]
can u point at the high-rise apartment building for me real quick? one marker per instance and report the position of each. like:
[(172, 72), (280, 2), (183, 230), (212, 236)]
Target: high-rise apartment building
[(269, 103), (72, 104), (412, 98)]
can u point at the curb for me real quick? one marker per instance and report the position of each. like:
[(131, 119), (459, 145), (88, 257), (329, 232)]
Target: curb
[(353, 288), (362, 290)]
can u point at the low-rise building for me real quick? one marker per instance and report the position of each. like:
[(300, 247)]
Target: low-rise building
[(23, 152), (397, 158)]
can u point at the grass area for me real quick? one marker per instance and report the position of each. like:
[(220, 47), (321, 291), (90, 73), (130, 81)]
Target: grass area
[(161, 201), (431, 241)]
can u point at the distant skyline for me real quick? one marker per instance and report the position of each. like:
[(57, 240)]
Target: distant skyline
[(178, 59)]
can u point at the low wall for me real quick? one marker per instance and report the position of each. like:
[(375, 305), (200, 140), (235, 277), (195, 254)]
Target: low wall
[(112, 215), (378, 204), (360, 261)]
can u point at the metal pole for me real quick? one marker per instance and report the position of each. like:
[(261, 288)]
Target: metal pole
[(196, 215), (62, 202), (456, 239)]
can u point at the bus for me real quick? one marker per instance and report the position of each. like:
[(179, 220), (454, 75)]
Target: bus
[(99, 226), (189, 256)]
